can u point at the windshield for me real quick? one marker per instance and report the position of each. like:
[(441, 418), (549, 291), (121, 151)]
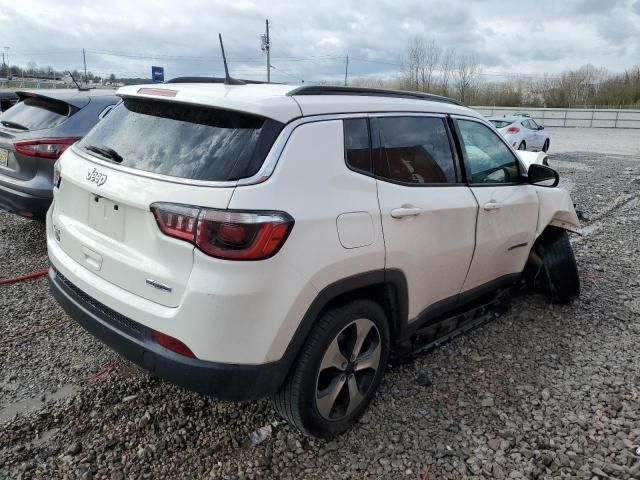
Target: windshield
[(501, 123), (186, 141), (37, 113)]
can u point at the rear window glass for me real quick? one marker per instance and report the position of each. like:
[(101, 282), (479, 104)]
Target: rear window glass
[(36, 113), (186, 141), (500, 123)]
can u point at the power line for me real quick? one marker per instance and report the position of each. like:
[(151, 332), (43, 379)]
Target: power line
[(290, 75), (209, 60)]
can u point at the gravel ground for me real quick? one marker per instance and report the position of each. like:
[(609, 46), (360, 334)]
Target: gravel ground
[(608, 141), (542, 392)]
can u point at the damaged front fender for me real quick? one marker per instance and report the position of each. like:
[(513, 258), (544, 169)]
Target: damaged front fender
[(556, 208)]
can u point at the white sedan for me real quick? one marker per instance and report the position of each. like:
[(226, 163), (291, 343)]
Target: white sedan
[(522, 132)]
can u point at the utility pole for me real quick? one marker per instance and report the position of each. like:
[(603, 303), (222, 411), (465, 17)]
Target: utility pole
[(346, 71), (84, 60), (266, 47), (8, 67)]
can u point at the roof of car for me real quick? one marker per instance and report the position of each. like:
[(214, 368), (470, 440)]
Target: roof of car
[(287, 102), (72, 96)]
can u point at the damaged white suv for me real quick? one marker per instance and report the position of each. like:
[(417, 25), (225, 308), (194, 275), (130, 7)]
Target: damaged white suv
[(268, 240)]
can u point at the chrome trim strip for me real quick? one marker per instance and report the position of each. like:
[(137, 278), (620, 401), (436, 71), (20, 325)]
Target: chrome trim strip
[(158, 285), (270, 162), (141, 173)]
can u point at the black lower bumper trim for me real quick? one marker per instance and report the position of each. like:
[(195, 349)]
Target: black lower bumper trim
[(221, 380), (19, 202)]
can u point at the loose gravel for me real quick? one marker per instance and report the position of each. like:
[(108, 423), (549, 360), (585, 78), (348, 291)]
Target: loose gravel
[(607, 141), (543, 391)]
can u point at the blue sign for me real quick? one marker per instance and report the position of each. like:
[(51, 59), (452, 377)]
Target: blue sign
[(157, 74)]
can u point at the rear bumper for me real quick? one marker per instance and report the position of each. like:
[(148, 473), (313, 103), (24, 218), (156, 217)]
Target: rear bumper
[(20, 202), (134, 341)]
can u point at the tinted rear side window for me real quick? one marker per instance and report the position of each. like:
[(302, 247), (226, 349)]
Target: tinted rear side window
[(186, 141), (36, 113), (415, 150), (356, 144)]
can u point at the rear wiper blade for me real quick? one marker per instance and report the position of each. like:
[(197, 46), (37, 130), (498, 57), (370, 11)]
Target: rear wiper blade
[(106, 152), (14, 125)]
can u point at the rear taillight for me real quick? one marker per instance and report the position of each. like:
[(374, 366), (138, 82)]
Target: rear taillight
[(513, 130), (232, 235), (44, 148), (172, 344), (176, 220)]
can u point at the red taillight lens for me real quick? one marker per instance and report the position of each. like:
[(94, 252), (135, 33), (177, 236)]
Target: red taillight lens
[(172, 344), (513, 130), (44, 148), (177, 220), (225, 234)]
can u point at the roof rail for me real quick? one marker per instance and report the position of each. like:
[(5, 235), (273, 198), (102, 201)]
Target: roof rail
[(372, 92), (205, 80)]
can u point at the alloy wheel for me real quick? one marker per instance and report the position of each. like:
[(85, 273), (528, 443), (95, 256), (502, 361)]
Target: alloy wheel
[(348, 368)]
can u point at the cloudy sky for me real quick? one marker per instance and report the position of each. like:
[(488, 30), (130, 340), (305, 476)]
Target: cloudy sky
[(310, 39)]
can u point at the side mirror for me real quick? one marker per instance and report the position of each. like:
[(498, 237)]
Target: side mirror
[(540, 127), (542, 176)]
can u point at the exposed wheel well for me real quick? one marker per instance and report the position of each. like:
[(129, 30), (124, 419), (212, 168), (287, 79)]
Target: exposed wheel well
[(388, 288), (384, 294)]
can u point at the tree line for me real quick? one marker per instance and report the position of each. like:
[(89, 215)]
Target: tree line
[(428, 67), (32, 70)]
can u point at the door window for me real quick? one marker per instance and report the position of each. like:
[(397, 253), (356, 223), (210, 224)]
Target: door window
[(415, 150), (489, 159), (357, 145)]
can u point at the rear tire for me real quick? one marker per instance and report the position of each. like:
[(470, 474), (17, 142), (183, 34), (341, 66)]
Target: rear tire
[(333, 382), (545, 147), (522, 146), (559, 265)]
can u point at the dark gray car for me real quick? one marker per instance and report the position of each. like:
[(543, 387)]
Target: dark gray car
[(7, 99), (34, 133)]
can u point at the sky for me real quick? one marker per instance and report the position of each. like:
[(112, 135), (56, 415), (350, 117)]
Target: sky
[(311, 39)]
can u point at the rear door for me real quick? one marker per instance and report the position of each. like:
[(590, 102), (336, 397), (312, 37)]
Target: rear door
[(508, 208), (147, 152), (428, 214), (531, 135)]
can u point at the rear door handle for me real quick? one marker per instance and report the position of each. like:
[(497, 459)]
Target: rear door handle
[(406, 211), (489, 206)]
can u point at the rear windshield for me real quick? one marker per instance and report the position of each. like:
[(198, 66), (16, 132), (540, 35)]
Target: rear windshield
[(501, 123), (37, 113), (186, 141)]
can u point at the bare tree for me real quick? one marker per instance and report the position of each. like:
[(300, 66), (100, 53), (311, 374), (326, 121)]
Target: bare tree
[(466, 77), (431, 58), (413, 63), (447, 64)]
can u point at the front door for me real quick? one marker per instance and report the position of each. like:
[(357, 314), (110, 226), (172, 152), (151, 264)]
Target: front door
[(508, 208)]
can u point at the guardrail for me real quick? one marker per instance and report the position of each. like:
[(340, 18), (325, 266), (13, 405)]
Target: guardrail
[(571, 117)]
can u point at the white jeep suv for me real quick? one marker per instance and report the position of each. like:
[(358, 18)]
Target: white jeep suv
[(270, 240)]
